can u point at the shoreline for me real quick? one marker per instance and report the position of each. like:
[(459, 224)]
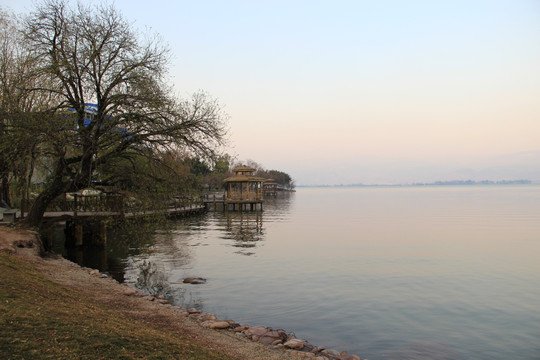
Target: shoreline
[(233, 339)]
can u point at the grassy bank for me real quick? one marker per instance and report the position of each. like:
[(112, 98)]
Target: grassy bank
[(40, 319)]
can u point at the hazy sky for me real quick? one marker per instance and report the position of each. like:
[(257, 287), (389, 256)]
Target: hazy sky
[(363, 91)]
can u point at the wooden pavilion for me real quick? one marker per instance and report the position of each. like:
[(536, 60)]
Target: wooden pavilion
[(270, 187), (244, 188)]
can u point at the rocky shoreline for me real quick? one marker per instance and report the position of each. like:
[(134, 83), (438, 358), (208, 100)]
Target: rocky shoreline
[(104, 288), (277, 339), (273, 338)]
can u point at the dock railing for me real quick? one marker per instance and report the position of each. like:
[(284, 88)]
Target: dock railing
[(118, 203)]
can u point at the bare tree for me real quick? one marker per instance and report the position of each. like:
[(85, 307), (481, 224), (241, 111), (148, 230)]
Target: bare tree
[(91, 55), (18, 147)]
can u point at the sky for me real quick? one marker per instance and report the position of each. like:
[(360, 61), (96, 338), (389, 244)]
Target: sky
[(372, 92)]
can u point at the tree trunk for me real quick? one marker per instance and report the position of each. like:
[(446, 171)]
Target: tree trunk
[(52, 190), (4, 194)]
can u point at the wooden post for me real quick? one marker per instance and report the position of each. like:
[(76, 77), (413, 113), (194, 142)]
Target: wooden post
[(50, 233), (78, 233), (75, 196), (102, 236)]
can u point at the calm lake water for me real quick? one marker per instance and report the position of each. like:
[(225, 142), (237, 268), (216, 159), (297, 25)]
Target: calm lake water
[(383, 272)]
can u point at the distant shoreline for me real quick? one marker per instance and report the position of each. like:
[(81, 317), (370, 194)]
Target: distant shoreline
[(436, 183)]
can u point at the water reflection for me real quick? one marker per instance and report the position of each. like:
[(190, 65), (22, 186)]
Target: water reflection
[(125, 240), (245, 229), (152, 279)]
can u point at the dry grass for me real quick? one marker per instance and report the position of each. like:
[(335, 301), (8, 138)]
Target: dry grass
[(40, 319)]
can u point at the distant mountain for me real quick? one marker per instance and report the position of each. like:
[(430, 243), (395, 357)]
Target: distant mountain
[(510, 167)]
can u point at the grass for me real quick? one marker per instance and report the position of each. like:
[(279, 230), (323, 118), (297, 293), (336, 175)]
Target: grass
[(40, 319)]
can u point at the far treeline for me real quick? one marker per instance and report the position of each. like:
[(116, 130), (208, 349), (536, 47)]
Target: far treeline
[(85, 102)]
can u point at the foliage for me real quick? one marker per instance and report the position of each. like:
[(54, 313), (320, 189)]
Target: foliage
[(281, 178), (19, 147), (92, 55), (85, 101)]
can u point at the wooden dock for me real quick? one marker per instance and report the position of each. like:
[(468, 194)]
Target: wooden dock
[(212, 202), (65, 215), (91, 214)]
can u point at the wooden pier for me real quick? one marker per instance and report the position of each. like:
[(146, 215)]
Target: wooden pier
[(213, 202), (244, 190), (176, 211), (93, 214)]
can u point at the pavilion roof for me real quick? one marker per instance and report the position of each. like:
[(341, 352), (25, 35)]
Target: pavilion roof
[(243, 168), (244, 178)]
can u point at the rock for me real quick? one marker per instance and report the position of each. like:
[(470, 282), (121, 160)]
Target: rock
[(94, 272), (194, 280), (215, 324), (267, 340), (273, 336), (302, 354), (162, 301), (349, 357), (219, 325), (308, 347), (193, 311), (208, 316), (241, 328), (332, 354), (256, 331), (130, 292), (295, 344)]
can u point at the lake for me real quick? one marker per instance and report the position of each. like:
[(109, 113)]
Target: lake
[(442, 272)]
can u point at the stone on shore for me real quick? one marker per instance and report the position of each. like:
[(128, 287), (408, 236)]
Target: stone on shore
[(273, 337), (241, 328), (208, 316), (215, 324), (194, 280), (256, 332), (330, 353), (349, 357), (295, 344), (130, 292)]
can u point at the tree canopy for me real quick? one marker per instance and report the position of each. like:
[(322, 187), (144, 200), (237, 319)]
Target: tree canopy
[(107, 98)]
